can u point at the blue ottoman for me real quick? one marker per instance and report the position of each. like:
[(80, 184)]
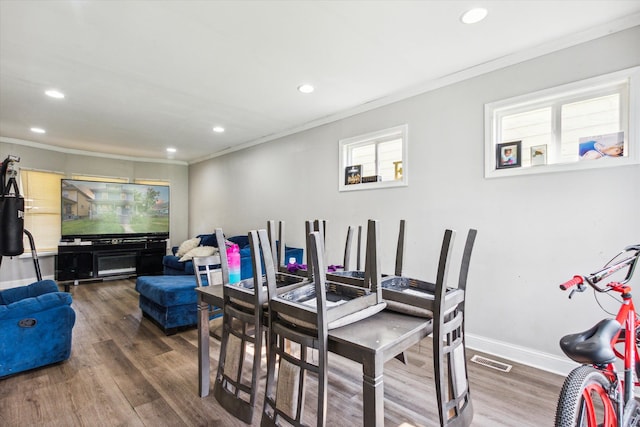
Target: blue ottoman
[(170, 301)]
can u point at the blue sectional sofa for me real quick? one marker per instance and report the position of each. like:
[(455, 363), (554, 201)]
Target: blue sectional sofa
[(172, 266)]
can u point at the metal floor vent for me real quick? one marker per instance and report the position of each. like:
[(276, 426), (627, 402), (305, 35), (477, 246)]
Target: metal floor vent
[(489, 363)]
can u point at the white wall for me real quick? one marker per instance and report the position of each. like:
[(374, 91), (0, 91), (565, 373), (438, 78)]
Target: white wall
[(533, 231), (18, 271)]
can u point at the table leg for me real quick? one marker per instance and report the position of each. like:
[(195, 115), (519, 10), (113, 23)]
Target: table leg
[(203, 348), (373, 391)]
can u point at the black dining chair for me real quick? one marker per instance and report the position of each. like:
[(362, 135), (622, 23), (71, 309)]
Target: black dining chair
[(453, 395)]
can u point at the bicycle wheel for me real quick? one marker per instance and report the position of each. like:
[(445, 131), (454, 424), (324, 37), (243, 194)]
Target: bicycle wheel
[(584, 400)]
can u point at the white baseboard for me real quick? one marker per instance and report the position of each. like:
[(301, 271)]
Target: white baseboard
[(526, 356), (23, 282)]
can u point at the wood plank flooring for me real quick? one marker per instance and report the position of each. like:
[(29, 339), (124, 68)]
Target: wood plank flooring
[(124, 371)]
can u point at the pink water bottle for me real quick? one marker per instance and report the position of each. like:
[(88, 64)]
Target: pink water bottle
[(233, 256)]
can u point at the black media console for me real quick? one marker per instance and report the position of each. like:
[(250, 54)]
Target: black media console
[(102, 258)]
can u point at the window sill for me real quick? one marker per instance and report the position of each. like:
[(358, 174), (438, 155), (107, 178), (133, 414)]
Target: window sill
[(562, 167), (373, 185)]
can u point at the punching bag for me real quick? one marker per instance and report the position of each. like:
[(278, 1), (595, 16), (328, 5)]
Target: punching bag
[(11, 221)]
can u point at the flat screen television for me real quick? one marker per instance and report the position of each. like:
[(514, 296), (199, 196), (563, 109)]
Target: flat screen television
[(100, 210)]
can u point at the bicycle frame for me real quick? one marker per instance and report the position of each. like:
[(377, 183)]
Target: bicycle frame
[(627, 318), (621, 390)]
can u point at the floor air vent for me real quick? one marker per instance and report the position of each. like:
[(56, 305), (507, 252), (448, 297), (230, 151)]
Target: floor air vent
[(493, 364)]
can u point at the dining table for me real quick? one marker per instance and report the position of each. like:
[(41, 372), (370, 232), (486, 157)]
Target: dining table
[(370, 342)]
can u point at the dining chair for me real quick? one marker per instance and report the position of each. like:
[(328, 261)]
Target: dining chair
[(207, 270), (299, 321), (453, 395), (289, 347), (208, 273), (236, 383)]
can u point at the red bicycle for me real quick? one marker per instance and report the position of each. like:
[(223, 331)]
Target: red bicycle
[(597, 393)]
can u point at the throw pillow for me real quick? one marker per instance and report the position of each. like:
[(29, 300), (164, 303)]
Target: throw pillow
[(199, 251), (187, 245)]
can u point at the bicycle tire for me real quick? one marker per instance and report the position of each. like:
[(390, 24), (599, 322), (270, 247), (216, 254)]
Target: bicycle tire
[(581, 383)]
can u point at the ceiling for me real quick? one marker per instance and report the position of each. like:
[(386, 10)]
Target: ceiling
[(141, 76)]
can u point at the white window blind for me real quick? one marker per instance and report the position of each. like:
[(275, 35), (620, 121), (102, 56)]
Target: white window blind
[(41, 191)]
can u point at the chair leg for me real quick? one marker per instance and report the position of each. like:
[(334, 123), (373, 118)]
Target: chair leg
[(233, 389), (288, 363), (450, 367)]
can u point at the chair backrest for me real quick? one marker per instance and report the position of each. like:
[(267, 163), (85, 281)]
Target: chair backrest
[(321, 227), (270, 267), (224, 260), (346, 262), (276, 241), (372, 272), (450, 369), (317, 256), (400, 249), (205, 269)]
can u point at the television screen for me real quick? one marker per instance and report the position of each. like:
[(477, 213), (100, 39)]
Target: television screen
[(107, 209)]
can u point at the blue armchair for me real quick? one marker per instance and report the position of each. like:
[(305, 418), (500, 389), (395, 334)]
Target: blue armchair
[(36, 322)]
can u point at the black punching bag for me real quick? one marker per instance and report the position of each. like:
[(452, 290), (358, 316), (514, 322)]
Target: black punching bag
[(12, 222)]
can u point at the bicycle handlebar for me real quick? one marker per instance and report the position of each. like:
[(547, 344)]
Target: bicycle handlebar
[(608, 270), (577, 280)]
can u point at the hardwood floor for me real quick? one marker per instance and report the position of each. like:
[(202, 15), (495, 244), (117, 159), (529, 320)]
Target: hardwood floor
[(124, 371)]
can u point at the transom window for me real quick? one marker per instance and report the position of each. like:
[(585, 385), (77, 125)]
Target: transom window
[(374, 160), (563, 128)]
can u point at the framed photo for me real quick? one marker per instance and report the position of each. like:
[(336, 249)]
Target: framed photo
[(539, 155), (599, 146), (508, 155), (353, 174)]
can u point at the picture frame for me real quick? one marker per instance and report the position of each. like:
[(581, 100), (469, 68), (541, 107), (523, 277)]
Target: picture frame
[(508, 155), (353, 174), (601, 146), (539, 155)]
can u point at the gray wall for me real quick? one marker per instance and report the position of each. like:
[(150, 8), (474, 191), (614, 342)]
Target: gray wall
[(534, 231), (20, 270)]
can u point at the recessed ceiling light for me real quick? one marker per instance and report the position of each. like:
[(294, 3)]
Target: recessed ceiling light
[(472, 16), (306, 88), (53, 93), (38, 130), (171, 150), (218, 129)]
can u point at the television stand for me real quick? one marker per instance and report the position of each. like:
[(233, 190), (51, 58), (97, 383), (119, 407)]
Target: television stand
[(108, 258)]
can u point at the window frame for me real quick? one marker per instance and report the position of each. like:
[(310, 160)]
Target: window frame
[(373, 138), (562, 95)]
